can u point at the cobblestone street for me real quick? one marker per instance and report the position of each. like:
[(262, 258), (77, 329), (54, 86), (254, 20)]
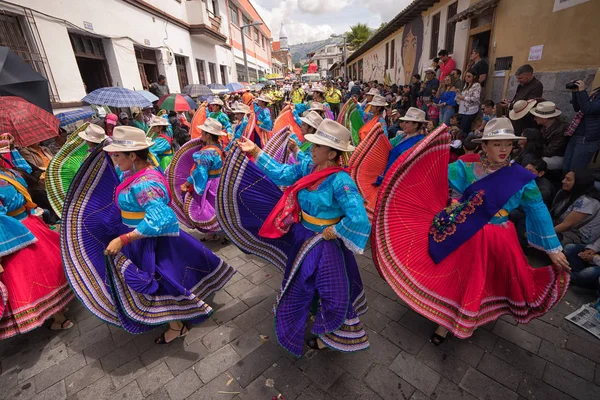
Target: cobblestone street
[(235, 355)]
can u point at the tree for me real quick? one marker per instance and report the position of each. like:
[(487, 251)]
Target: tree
[(358, 35)]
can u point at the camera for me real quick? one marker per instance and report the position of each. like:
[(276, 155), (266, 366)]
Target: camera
[(571, 85)]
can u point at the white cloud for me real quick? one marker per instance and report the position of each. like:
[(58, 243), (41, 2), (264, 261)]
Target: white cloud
[(322, 6), (386, 9)]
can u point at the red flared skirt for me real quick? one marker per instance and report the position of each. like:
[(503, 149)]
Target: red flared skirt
[(35, 282), (486, 277)]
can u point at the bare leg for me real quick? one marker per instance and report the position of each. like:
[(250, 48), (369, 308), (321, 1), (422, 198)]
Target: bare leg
[(60, 321), (176, 329), (439, 335)]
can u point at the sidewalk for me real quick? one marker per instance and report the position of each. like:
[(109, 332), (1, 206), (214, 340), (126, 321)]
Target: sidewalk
[(235, 355)]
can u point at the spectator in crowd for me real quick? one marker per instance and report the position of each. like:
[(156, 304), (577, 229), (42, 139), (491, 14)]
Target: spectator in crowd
[(433, 112), (584, 129), (539, 167), (435, 64), (447, 64), (446, 99), (138, 121), (471, 150), (430, 85), (456, 150), (576, 209), (585, 264), (415, 88), (529, 88), (546, 116), (531, 147), (55, 144), (458, 82), (124, 119), (395, 124), (37, 156), (488, 109), (480, 66), (469, 101), (148, 115), (160, 88)]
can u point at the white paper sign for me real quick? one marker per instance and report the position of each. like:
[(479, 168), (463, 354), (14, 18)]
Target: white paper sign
[(535, 53)]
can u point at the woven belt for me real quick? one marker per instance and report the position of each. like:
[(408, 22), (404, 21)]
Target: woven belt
[(133, 215), (214, 173), (502, 213), (319, 221), (16, 212)]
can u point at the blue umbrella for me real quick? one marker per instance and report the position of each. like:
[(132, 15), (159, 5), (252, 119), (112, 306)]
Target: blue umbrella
[(218, 88), (149, 96), (235, 86), (117, 97), (70, 117)]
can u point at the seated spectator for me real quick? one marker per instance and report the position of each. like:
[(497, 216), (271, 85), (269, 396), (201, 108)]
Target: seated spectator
[(37, 156), (530, 148), (471, 150), (553, 130), (539, 167), (456, 151), (585, 264), (433, 112), (576, 209), (488, 109), (431, 127), (124, 119), (455, 121)]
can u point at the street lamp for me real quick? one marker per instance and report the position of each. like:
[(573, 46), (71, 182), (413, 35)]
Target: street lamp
[(343, 36), (255, 23)]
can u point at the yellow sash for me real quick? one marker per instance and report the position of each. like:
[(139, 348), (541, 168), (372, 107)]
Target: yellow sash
[(29, 204)]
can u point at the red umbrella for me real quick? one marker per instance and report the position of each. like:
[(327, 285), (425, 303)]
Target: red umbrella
[(177, 102), (28, 123)]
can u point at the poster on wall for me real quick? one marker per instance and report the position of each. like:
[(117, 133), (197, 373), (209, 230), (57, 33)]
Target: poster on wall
[(535, 53), (562, 4)]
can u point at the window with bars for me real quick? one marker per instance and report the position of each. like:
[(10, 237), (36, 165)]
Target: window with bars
[(387, 55), (201, 73), (392, 47), (212, 70), (451, 28), (86, 46), (16, 33), (435, 35), (181, 71)]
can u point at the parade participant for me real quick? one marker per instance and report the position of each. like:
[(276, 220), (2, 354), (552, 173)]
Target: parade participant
[(376, 115), (9, 156), (309, 232), (148, 115), (216, 106), (462, 267), (309, 125), (333, 96), (247, 98), (264, 123), (138, 121), (412, 133), (298, 94), (92, 135), (240, 112), (161, 151), (33, 286), (135, 268), (364, 105), (316, 104), (200, 188)]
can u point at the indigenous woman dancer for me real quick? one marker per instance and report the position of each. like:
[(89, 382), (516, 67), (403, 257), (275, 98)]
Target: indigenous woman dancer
[(240, 112), (10, 156), (466, 268), (375, 115), (33, 286), (318, 103), (162, 149), (412, 133), (152, 273), (307, 232), (216, 107), (200, 189), (264, 123)]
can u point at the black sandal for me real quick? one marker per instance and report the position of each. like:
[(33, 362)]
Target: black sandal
[(314, 344), (437, 339), (162, 340)]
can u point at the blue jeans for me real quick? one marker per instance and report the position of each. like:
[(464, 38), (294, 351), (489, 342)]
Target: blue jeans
[(579, 153), (445, 114), (582, 273)]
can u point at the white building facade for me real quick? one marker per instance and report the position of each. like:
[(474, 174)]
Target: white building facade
[(81, 45), (325, 57)]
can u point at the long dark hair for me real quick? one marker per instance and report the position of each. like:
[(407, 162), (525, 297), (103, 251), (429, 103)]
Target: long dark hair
[(535, 144), (583, 186), (474, 81)]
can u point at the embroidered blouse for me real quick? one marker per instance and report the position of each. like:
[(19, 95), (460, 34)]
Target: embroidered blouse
[(161, 148), (223, 119), (208, 162), (263, 118), (540, 229), (300, 108), (147, 198), (13, 234), (239, 131), (336, 197)]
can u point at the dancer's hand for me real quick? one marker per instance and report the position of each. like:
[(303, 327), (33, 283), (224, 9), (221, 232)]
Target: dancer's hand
[(185, 187), (329, 234), (293, 146), (560, 260), (246, 145), (114, 247)]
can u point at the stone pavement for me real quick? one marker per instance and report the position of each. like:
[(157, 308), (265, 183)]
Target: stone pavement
[(234, 355)]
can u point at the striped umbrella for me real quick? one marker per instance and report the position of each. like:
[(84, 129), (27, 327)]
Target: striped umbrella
[(73, 116), (177, 102), (117, 97), (151, 97), (218, 88), (195, 90)]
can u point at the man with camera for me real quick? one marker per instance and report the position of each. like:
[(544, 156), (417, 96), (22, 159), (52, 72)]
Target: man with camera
[(584, 129)]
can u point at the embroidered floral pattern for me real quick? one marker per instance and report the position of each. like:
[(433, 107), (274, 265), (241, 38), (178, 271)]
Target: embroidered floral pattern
[(444, 223), (149, 194)]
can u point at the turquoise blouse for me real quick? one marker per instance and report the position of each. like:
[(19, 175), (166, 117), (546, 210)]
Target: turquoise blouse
[(367, 116), (301, 108), (263, 118), (206, 160), (19, 162), (148, 195), (336, 197), (223, 119), (239, 131), (161, 148), (13, 235), (540, 229)]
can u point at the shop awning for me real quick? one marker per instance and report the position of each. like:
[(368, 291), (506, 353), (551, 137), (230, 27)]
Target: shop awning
[(475, 10)]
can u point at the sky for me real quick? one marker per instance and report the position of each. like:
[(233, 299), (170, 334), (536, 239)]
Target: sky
[(310, 20)]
